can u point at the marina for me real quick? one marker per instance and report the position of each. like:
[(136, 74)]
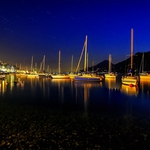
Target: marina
[(98, 101)]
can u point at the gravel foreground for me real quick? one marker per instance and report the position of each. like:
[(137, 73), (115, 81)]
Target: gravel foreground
[(37, 127)]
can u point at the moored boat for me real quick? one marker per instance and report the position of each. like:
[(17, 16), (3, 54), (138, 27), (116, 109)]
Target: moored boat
[(110, 74), (32, 75), (129, 79), (143, 75), (59, 75), (85, 76)]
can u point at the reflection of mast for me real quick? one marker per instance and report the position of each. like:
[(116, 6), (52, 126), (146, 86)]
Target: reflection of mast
[(86, 95), (2, 87), (111, 83), (60, 90)]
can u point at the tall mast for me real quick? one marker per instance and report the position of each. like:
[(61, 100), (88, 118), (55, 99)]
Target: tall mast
[(72, 63), (32, 63), (132, 48), (143, 63), (59, 62), (44, 63), (35, 66), (93, 66), (80, 57), (87, 62), (48, 68), (20, 67), (85, 55), (109, 67)]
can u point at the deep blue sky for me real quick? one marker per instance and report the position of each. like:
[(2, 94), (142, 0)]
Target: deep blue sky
[(43, 27)]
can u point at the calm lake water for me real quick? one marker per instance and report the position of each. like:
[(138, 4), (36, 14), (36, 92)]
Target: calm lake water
[(112, 109), (109, 95)]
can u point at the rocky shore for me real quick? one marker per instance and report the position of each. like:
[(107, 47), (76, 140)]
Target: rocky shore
[(39, 127)]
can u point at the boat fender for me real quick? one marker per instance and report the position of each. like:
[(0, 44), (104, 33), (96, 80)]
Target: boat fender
[(131, 85)]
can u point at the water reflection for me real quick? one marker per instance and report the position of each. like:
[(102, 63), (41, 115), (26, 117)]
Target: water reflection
[(2, 87), (112, 83), (83, 91), (68, 92), (60, 86), (109, 96), (145, 87), (131, 91), (13, 80)]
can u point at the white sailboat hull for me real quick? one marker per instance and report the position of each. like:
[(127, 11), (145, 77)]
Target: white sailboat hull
[(129, 80), (87, 78), (109, 75), (59, 76), (32, 76)]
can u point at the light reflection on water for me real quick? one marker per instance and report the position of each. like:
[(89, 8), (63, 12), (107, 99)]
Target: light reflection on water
[(83, 89), (109, 95), (130, 90), (145, 87), (46, 84)]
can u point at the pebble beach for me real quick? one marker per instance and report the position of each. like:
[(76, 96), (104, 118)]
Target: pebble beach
[(41, 127)]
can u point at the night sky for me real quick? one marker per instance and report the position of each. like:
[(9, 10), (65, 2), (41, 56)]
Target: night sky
[(43, 27)]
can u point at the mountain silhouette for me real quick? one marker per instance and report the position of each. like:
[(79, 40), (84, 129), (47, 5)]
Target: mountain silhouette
[(124, 65)]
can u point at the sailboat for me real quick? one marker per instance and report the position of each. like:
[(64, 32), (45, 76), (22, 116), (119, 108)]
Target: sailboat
[(59, 75), (129, 79), (85, 76), (110, 74), (72, 74), (42, 72), (32, 73), (143, 74), (21, 72)]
